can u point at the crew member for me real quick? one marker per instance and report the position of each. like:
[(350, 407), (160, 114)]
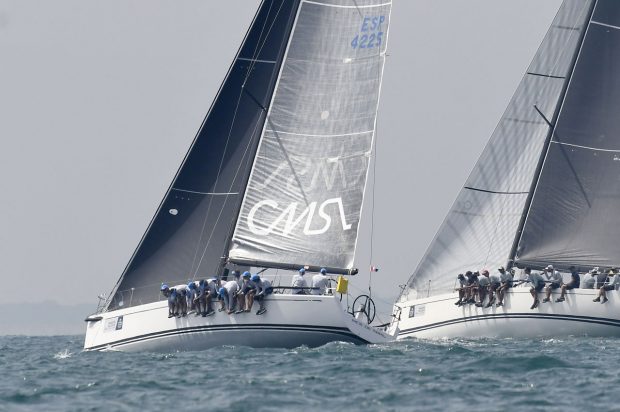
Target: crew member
[(299, 284), (261, 290), (572, 283), (553, 280), (320, 282)]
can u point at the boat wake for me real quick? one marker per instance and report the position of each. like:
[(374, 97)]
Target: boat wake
[(64, 354)]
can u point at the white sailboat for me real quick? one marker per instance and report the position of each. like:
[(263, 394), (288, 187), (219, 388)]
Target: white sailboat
[(274, 179), (545, 191)]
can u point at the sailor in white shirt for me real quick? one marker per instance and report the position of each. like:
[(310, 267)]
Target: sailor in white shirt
[(227, 295), (182, 298), (320, 282), (495, 284), (483, 286), (538, 283), (299, 283), (553, 280)]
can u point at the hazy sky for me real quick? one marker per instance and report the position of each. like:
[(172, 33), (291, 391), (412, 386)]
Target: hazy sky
[(99, 101)]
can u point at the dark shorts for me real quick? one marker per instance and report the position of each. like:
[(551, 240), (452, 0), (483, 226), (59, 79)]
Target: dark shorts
[(609, 287), (539, 286), (568, 286), (507, 284), (246, 289), (554, 285), (495, 286)]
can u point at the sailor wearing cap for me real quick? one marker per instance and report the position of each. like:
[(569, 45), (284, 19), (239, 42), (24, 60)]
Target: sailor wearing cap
[(537, 282), (246, 287), (553, 280), (260, 292), (483, 286), (212, 286), (493, 287), (181, 299), (227, 296), (612, 283), (298, 283), (192, 293), (589, 279), (171, 295), (320, 282), (572, 283)]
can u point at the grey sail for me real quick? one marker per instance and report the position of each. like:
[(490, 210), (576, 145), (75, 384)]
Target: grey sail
[(479, 230), (303, 201), (574, 218), (191, 229)]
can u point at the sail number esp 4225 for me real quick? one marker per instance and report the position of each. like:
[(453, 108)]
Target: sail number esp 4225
[(371, 33)]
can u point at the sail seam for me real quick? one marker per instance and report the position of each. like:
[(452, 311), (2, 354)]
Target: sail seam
[(605, 25), (339, 6), (587, 147), (320, 135)]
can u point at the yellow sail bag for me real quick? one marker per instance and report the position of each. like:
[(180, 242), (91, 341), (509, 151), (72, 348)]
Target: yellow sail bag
[(343, 285)]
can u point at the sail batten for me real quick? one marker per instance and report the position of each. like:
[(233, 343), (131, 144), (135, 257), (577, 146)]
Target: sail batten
[(303, 202)]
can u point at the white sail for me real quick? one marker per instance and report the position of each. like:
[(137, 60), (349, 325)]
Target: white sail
[(481, 227), (303, 202)]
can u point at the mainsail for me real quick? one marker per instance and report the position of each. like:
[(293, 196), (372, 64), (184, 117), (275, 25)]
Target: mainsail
[(303, 202), (190, 231), (574, 218), (483, 223)]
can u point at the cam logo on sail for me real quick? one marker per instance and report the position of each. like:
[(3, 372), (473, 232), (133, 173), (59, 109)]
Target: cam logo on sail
[(290, 219)]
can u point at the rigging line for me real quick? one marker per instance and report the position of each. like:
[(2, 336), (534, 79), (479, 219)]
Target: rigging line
[(290, 164), (372, 208), (253, 134), (494, 237), (250, 143), (358, 9), (232, 124)]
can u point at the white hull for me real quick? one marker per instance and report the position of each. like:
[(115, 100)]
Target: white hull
[(438, 317), (290, 321)]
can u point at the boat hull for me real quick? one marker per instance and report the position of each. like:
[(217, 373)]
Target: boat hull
[(290, 321), (438, 317)]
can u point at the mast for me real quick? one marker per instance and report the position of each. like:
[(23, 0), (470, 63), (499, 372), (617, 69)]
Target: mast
[(551, 122)]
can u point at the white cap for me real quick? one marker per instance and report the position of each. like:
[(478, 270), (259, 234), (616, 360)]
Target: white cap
[(549, 267)]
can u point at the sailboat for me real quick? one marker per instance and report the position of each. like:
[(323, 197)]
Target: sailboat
[(274, 179), (545, 191)]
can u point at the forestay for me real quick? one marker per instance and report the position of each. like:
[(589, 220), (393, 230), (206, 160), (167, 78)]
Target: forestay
[(303, 202), (481, 227), (574, 218)]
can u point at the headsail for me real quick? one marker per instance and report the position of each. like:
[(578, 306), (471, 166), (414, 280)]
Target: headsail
[(304, 198), (574, 217), (481, 226), (190, 232)]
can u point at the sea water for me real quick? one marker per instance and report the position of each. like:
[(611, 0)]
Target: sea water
[(53, 374)]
